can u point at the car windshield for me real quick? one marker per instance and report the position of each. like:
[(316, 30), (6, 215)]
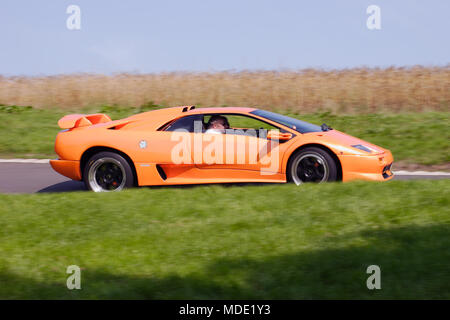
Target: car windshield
[(297, 125)]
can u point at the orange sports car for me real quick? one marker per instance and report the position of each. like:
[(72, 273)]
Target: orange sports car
[(184, 145)]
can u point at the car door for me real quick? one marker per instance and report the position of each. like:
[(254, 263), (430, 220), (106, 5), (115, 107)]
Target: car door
[(243, 147)]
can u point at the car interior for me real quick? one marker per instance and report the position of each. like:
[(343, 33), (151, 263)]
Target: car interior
[(238, 124)]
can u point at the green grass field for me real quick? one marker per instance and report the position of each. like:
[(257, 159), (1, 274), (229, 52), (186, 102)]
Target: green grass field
[(230, 242), (421, 138)]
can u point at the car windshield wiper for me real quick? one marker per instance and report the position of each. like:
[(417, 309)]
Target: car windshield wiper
[(325, 127)]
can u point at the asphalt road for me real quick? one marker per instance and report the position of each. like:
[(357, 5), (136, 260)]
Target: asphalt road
[(40, 177)]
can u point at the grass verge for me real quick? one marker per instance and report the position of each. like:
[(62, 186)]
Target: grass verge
[(230, 242), (421, 138)]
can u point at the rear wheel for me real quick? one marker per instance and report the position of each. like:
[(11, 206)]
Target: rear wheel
[(107, 171), (311, 164)]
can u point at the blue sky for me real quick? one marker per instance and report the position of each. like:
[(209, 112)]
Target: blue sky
[(209, 35)]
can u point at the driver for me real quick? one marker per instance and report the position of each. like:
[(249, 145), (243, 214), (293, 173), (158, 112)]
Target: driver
[(217, 125)]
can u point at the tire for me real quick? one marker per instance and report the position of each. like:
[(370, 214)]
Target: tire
[(311, 164), (107, 171)]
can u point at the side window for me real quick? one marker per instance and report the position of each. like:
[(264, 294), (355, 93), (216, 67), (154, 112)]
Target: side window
[(240, 124), (185, 123), (243, 122)]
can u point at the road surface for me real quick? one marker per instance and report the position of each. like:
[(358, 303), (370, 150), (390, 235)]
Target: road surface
[(31, 177)]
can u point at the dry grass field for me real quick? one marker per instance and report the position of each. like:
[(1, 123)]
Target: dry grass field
[(360, 90)]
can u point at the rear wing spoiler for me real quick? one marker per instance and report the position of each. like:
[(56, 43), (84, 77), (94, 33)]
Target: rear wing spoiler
[(82, 120)]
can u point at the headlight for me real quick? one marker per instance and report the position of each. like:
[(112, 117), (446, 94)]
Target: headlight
[(363, 148)]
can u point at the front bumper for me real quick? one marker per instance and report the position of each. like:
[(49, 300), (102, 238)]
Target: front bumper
[(371, 167), (68, 168)]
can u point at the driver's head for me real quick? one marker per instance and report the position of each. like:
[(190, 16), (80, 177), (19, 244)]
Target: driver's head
[(218, 122)]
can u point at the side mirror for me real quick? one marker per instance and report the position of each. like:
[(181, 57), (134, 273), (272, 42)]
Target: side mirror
[(277, 135)]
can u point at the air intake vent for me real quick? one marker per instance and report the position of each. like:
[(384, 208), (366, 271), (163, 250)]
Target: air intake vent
[(187, 108), (387, 171), (161, 172), (119, 126)]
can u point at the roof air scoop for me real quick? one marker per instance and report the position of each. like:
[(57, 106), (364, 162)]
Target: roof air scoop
[(187, 108)]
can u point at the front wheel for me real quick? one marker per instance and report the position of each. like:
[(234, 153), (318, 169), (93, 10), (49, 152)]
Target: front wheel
[(107, 171), (311, 165)]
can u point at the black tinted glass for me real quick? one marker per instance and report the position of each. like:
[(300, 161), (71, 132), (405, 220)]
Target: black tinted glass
[(185, 123), (297, 125)]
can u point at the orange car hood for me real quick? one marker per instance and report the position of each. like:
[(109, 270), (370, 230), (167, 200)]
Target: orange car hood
[(343, 142)]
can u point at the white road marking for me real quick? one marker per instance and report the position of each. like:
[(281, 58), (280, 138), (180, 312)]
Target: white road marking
[(24, 160), (398, 173), (421, 173)]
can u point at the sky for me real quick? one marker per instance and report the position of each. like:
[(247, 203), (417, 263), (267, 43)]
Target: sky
[(146, 36)]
